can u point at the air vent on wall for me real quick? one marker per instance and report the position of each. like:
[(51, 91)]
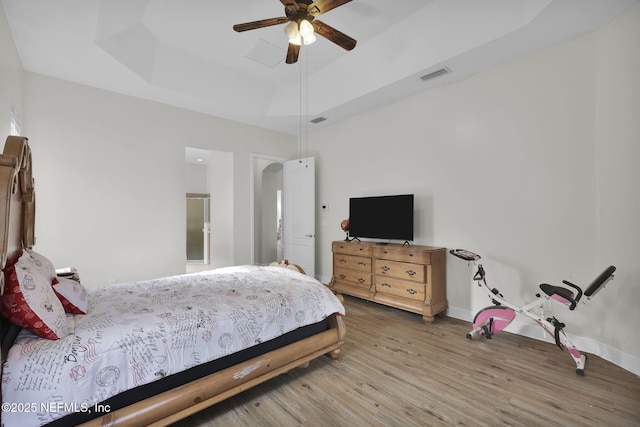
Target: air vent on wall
[(318, 120), (436, 73)]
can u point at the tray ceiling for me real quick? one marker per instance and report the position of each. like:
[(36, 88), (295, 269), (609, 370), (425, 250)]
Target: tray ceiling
[(186, 53)]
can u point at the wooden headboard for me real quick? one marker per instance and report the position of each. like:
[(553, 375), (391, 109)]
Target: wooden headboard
[(17, 208)]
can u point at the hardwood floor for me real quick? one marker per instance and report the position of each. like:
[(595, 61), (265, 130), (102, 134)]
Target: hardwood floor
[(395, 370)]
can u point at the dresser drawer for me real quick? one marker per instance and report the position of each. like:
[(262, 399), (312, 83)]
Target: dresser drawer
[(356, 278), (353, 262), (400, 288), (400, 270), (351, 249), (404, 254)]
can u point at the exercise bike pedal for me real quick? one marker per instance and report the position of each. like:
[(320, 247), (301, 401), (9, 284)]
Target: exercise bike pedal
[(487, 333)]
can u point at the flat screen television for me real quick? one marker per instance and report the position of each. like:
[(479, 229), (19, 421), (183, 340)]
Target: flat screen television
[(381, 217)]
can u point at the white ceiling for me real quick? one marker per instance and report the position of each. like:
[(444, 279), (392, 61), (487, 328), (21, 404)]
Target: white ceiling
[(185, 53)]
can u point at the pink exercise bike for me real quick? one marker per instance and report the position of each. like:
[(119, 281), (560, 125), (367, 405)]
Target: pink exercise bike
[(491, 320)]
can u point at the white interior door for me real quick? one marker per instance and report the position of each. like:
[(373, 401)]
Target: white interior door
[(299, 213)]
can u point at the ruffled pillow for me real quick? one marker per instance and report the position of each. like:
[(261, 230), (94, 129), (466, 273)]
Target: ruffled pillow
[(72, 295), (29, 300)]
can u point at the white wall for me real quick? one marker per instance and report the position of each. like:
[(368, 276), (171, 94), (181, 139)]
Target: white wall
[(617, 176), (223, 189), (532, 164), (10, 77), (110, 178), (196, 179)]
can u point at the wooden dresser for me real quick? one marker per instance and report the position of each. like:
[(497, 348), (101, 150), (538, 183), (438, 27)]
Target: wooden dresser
[(411, 278)]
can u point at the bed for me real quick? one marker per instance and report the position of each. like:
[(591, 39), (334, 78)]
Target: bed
[(145, 353)]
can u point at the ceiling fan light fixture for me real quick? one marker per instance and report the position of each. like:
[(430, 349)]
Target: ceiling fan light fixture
[(299, 33), (297, 40), (310, 39), (291, 30), (306, 29)]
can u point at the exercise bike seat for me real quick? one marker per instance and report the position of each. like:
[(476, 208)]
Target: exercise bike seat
[(560, 294)]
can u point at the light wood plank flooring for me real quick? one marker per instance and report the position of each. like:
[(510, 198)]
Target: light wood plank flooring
[(395, 370)]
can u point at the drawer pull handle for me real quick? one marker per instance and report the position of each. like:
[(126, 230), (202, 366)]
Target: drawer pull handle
[(384, 268), (385, 284), (361, 280), (342, 260), (412, 291), (362, 263), (342, 276), (410, 272)]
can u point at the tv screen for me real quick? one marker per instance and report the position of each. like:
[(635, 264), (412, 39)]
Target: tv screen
[(381, 217)]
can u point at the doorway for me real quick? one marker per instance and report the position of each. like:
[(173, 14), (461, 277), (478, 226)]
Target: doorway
[(290, 231), (198, 228), (267, 215), (210, 178)]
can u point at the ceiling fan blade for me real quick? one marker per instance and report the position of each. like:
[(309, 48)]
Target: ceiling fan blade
[(260, 24), (330, 33), (292, 53), (319, 7)]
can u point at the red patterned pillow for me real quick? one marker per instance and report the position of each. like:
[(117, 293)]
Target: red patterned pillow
[(29, 300), (72, 295)]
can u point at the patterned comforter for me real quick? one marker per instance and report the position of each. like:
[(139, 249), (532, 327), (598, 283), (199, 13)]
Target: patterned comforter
[(136, 333)]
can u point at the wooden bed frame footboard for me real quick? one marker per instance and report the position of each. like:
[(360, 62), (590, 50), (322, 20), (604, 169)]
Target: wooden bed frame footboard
[(180, 402), (17, 223)]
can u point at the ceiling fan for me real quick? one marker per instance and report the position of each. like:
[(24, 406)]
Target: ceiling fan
[(302, 24)]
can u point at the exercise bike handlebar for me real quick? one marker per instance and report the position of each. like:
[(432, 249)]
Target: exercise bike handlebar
[(465, 254), (577, 288), (470, 256)]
